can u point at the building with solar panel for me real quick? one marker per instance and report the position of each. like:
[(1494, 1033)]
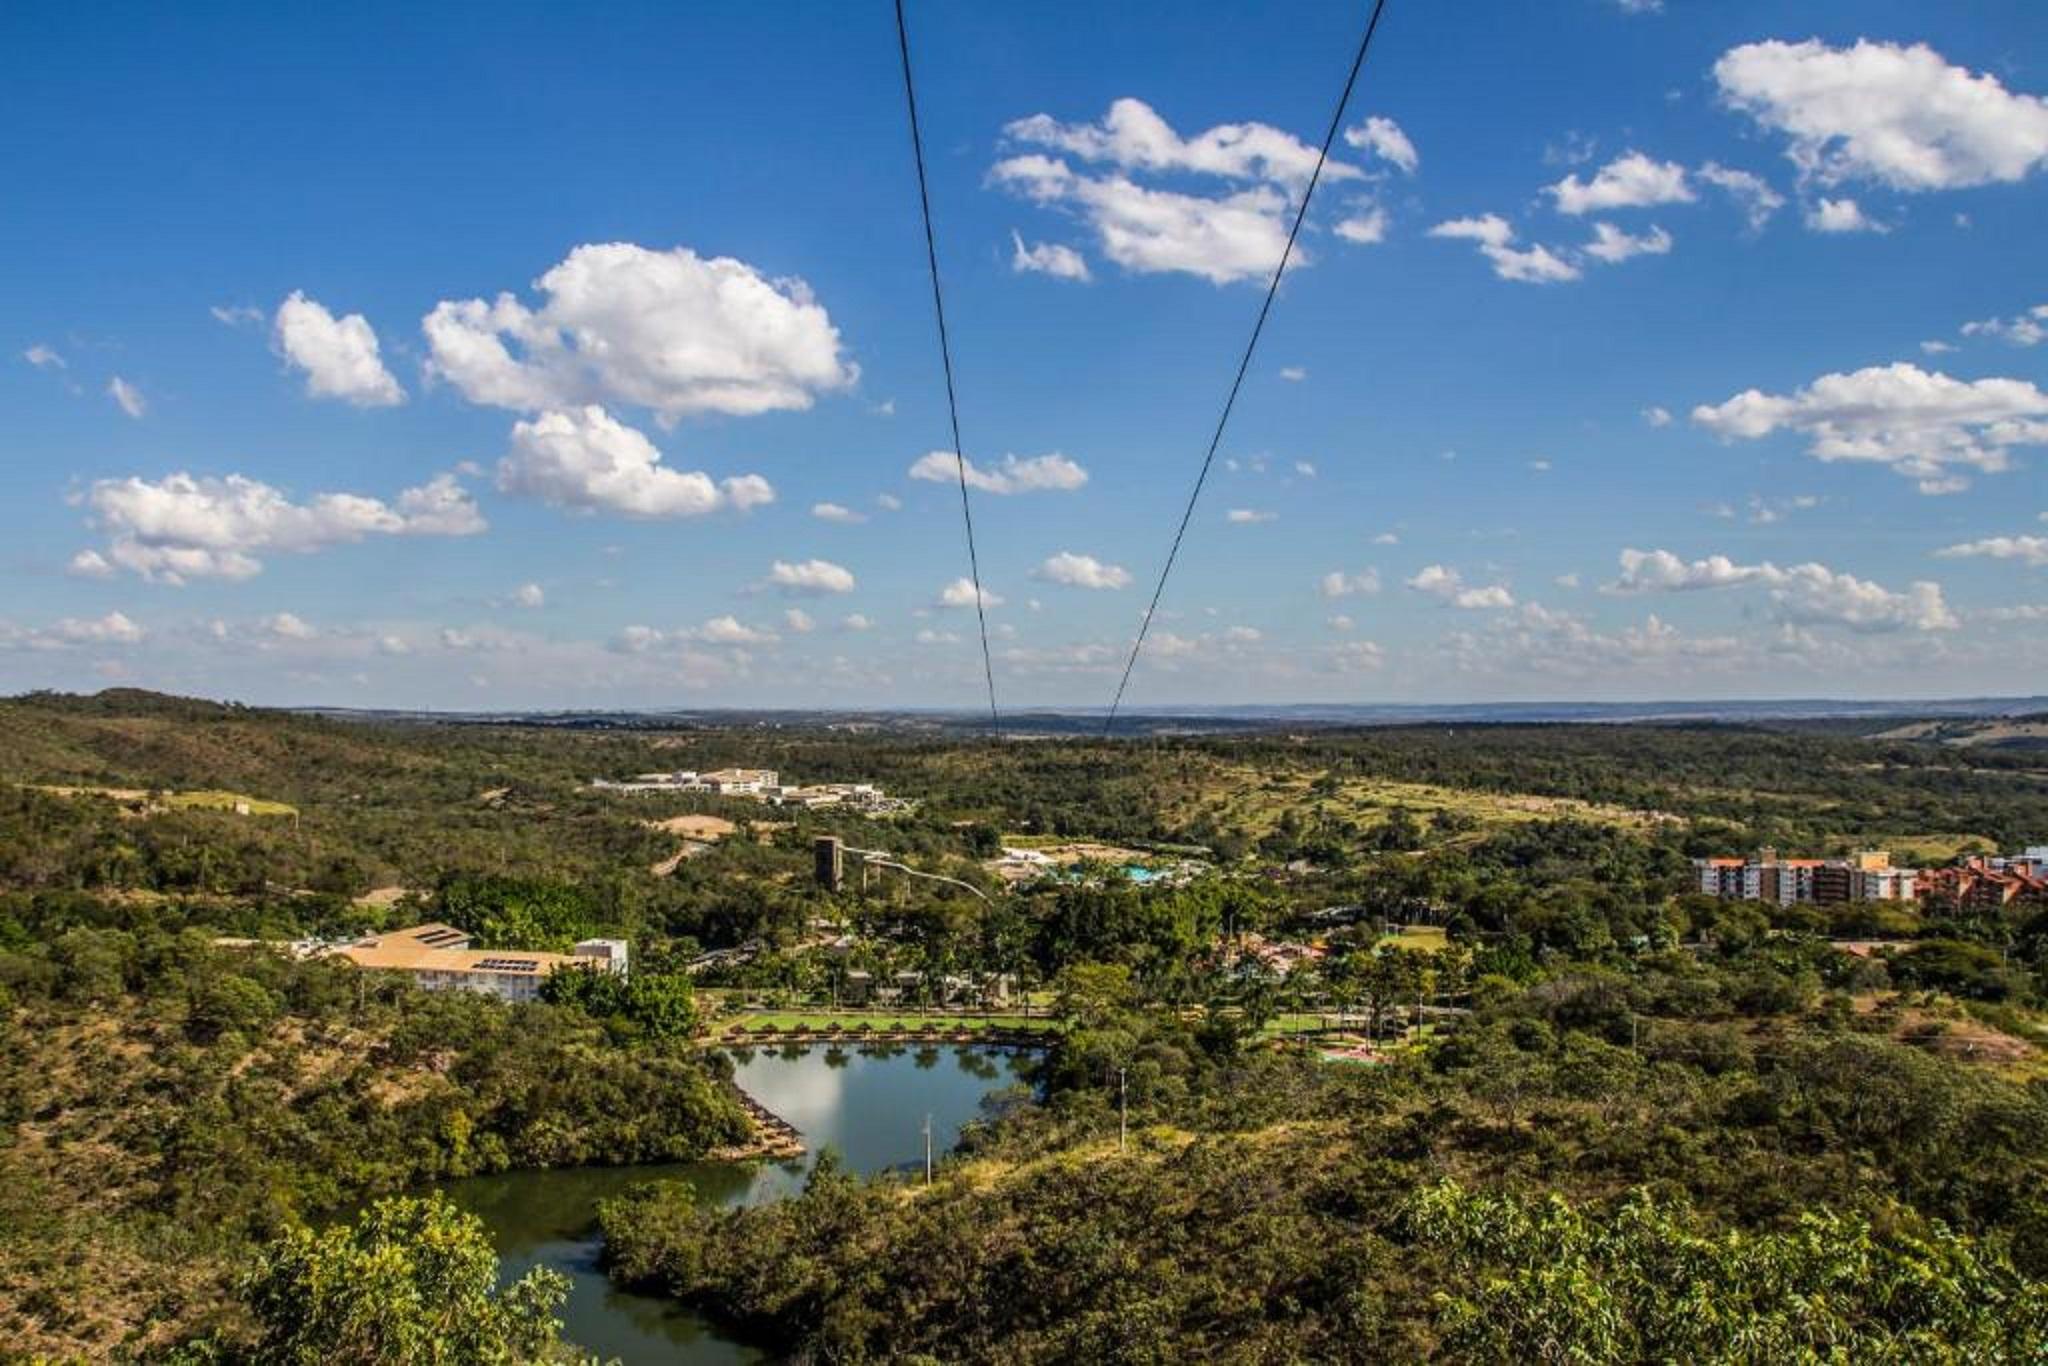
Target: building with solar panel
[(441, 958)]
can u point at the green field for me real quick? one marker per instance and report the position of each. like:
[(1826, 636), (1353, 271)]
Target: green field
[(216, 800)]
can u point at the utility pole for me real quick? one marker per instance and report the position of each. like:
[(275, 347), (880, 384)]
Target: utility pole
[(1123, 1111), (927, 1149)]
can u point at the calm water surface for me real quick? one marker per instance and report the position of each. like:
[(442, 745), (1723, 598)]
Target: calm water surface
[(871, 1107)]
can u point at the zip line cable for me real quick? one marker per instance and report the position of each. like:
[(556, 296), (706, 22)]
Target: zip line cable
[(1243, 365), (931, 252)]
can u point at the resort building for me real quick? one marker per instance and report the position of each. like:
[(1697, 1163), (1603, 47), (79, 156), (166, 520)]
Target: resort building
[(1990, 883), (739, 782), (440, 958), (762, 785)]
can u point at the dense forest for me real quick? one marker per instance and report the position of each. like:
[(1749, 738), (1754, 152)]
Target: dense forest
[(1718, 1158), (1621, 1121)]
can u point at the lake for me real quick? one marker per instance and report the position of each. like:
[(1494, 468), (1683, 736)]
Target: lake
[(871, 1107)]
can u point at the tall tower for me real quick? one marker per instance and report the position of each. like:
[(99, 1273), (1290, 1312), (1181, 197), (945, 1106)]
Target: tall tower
[(831, 863)]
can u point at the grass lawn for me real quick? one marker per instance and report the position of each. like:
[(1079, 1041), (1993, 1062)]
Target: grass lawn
[(1427, 938), (849, 1022)]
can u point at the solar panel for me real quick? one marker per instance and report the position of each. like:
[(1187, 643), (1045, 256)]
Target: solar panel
[(509, 964)]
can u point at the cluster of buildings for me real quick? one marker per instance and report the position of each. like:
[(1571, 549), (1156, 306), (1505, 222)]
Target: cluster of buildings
[(1870, 876), (762, 785), (1989, 883), (1015, 866)]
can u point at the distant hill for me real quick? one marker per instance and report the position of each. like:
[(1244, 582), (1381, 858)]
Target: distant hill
[(1991, 732), (1226, 719)]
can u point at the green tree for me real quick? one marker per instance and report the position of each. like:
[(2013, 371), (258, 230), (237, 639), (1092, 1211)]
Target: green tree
[(415, 1281), (1093, 995), (229, 1004)]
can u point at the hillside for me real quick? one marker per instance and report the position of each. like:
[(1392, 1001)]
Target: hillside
[(1993, 732)]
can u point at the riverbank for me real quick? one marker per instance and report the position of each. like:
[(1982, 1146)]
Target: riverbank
[(775, 1138)]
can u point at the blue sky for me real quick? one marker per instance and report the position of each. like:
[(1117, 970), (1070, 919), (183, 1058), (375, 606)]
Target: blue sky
[(521, 355)]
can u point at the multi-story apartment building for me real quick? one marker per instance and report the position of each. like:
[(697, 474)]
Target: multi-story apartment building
[(1722, 877), (1866, 876), (439, 958)]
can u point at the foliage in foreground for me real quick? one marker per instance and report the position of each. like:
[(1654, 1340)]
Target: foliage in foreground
[(1261, 1249), (414, 1281), (1543, 1281)]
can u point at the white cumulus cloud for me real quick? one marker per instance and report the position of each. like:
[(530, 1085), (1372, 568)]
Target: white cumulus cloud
[(1630, 181), (184, 526), (1613, 245), (1535, 264), (339, 356), (115, 628), (2028, 550), (1750, 191), (1047, 258), (1012, 474), (587, 460), (289, 626), (837, 512), (2028, 329), (1840, 215), (1922, 424), (1803, 593), (810, 578), (1383, 138), (1082, 571), (1900, 116), (1338, 584), (1448, 586), (960, 593), (1366, 226), (1238, 232), (669, 331)]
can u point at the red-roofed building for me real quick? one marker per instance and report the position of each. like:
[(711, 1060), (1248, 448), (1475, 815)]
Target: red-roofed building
[(1984, 884)]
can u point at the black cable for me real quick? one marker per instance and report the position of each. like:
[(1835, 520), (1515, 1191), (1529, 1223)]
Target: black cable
[(931, 252), (1244, 365)]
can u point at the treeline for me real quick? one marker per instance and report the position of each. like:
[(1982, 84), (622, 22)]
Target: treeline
[(423, 805)]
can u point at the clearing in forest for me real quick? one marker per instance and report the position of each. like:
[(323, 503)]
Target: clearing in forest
[(209, 799), (709, 829), (1252, 799)]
